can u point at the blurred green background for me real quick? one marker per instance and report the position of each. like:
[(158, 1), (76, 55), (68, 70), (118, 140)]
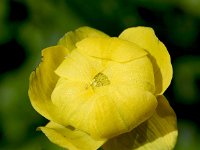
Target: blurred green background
[(28, 26)]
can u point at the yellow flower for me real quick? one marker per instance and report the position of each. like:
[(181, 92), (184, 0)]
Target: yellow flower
[(100, 91)]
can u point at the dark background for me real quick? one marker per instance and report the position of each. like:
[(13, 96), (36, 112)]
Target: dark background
[(28, 26)]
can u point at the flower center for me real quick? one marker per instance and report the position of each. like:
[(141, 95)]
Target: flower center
[(100, 80)]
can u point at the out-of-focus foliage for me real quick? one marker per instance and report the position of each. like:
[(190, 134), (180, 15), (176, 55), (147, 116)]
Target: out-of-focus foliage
[(26, 27), (187, 69)]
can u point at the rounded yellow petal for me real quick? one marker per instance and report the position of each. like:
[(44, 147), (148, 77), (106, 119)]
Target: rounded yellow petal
[(146, 38), (79, 67), (70, 39), (70, 138), (138, 73), (110, 49), (159, 132), (103, 112), (43, 80)]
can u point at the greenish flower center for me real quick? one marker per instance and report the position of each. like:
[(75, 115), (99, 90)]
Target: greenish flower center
[(100, 80)]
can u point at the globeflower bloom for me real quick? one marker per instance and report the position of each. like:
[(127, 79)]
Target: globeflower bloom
[(105, 92)]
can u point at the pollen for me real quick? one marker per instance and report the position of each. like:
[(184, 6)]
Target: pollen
[(100, 80)]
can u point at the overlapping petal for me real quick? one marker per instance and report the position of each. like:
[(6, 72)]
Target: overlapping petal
[(79, 67), (103, 112), (110, 48), (158, 133), (43, 81), (137, 73), (146, 38), (70, 39), (70, 138)]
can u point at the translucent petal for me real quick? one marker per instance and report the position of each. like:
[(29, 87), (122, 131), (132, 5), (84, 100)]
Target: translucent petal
[(105, 111), (159, 132), (70, 138), (43, 80), (70, 39), (146, 38), (110, 49)]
